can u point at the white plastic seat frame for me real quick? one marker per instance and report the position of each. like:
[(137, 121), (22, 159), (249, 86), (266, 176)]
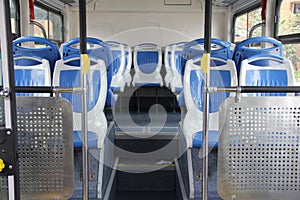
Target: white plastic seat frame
[(43, 65), (283, 64), (118, 80), (169, 72), (176, 81), (193, 121), (96, 117), (141, 78), (128, 57)]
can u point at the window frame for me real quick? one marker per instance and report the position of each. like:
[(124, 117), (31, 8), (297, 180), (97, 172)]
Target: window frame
[(287, 38), (49, 9), (240, 13)]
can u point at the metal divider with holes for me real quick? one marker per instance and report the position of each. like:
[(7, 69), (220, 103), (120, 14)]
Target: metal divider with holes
[(45, 148), (259, 148)]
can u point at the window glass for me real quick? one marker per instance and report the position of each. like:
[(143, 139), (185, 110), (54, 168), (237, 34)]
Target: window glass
[(55, 26), (292, 53), (289, 20), (41, 16), (244, 23), (51, 22), (14, 16)]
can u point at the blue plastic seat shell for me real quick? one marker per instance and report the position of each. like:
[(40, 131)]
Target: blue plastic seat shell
[(92, 140), (213, 137)]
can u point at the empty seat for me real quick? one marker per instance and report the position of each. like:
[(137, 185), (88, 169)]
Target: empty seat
[(119, 58), (48, 51), (97, 50), (222, 75), (147, 65), (254, 46), (175, 62), (195, 49), (67, 75), (279, 72), (35, 72)]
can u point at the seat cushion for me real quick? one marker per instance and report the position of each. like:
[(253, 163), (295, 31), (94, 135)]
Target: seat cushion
[(92, 140), (212, 139)]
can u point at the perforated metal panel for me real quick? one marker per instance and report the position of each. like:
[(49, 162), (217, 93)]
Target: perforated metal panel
[(45, 147), (258, 155)]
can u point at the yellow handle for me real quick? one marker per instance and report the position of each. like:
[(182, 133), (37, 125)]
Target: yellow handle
[(85, 63), (205, 62), (2, 165)]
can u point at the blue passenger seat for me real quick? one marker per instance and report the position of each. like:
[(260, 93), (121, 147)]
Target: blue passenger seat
[(33, 71), (119, 61), (195, 49), (97, 50), (147, 65), (223, 75), (49, 50), (253, 46), (67, 75), (255, 72)]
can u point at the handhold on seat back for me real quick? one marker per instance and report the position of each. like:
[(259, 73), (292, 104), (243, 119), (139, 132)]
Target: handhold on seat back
[(195, 49), (243, 50), (49, 51), (279, 73)]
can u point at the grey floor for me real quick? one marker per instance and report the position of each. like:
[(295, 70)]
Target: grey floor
[(197, 166)]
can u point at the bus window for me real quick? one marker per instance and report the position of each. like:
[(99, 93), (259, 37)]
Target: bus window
[(14, 17), (288, 31), (51, 21), (244, 22)]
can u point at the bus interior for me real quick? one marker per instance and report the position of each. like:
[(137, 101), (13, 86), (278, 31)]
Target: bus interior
[(150, 100)]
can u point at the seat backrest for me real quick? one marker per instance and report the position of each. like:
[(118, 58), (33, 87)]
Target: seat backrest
[(67, 75), (243, 50), (147, 58), (128, 59), (118, 56), (279, 74), (195, 49), (36, 74), (176, 57), (167, 58), (49, 51), (221, 76), (97, 50)]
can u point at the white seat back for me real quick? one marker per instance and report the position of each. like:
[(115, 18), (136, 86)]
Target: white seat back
[(147, 65)]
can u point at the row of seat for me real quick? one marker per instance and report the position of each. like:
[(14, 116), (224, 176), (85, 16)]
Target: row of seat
[(176, 55), (253, 72)]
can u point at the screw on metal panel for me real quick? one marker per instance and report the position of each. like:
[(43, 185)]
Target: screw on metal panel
[(10, 166), (8, 132), (238, 96)]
